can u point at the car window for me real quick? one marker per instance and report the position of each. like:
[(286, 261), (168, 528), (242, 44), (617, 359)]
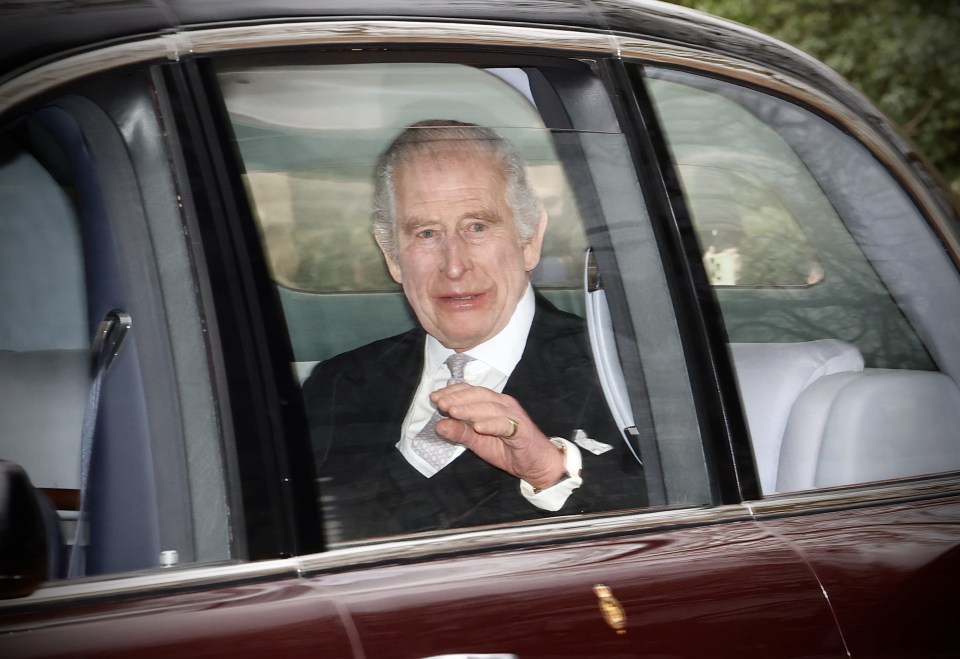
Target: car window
[(839, 300), (310, 135), (309, 173), (43, 327), (312, 186), (91, 398)]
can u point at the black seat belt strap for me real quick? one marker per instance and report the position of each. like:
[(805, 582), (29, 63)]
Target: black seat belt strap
[(106, 345)]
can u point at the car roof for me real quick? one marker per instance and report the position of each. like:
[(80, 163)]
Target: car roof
[(35, 32)]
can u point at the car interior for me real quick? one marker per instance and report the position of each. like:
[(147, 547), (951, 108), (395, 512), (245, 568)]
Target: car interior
[(846, 377), (57, 422)]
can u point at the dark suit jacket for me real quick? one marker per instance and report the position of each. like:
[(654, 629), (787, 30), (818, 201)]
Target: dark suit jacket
[(356, 403)]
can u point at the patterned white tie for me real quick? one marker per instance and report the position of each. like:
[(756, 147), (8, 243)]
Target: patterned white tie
[(430, 446)]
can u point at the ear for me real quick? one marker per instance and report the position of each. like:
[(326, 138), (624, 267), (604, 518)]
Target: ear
[(392, 264), (531, 251)]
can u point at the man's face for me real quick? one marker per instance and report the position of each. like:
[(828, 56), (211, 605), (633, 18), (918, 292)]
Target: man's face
[(460, 258)]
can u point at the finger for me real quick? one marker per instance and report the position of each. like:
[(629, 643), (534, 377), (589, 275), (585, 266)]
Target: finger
[(451, 392), (463, 392), (504, 427), (470, 406), (478, 412)]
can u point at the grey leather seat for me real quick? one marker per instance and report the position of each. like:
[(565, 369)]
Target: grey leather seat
[(772, 376), (876, 425), (818, 418)]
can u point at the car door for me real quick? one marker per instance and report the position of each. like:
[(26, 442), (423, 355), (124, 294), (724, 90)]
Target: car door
[(845, 254), (129, 461), (690, 574)]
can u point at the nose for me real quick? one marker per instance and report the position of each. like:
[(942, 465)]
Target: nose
[(456, 259)]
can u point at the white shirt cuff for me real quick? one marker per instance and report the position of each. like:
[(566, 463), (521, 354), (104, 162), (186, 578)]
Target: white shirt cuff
[(552, 498)]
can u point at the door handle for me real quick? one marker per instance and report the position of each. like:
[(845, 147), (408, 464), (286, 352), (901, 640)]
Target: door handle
[(471, 655)]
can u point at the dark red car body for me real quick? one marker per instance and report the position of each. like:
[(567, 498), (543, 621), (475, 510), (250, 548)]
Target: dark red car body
[(868, 570)]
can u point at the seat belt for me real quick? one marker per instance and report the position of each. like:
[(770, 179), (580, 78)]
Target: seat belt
[(107, 342), (604, 348)]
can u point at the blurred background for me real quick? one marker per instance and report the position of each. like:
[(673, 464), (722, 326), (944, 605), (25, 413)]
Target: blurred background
[(903, 54)]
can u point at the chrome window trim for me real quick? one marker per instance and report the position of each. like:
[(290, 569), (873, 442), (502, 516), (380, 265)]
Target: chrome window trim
[(708, 63), (359, 555), (506, 537), (183, 43), (153, 582), (519, 534), (405, 32), (855, 496), (47, 76), (583, 530)]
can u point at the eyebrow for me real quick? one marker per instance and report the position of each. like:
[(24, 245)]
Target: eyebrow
[(485, 215), (411, 224)]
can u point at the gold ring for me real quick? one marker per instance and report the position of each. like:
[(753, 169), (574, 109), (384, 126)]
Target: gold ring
[(513, 430)]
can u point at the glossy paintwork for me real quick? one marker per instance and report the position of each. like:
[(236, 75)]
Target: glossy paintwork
[(892, 573), (729, 590), (730, 587), (291, 618)]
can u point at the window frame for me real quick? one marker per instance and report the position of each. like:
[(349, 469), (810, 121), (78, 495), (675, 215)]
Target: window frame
[(690, 490), (112, 117), (940, 214)]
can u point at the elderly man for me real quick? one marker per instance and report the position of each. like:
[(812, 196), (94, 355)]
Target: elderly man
[(491, 410)]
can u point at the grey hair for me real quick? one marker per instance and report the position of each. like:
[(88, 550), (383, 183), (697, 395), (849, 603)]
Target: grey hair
[(429, 138)]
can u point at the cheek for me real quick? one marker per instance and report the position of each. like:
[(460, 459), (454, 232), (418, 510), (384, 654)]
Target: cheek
[(416, 273), (518, 259)]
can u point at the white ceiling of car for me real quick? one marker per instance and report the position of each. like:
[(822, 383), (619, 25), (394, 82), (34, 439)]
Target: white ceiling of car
[(378, 96)]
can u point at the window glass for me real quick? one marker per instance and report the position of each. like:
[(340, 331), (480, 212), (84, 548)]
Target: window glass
[(310, 137), (43, 336), (44, 345), (309, 163), (89, 394), (749, 236), (839, 299)]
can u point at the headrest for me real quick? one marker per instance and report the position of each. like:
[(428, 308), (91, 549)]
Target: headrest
[(771, 377)]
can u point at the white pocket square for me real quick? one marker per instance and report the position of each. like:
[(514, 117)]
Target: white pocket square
[(597, 448)]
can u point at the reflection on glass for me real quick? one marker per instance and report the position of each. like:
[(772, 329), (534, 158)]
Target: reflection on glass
[(748, 235), (310, 136), (802, 273)]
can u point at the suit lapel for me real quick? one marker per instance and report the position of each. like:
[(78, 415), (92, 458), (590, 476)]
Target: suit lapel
[(391, 381), (552, 377)]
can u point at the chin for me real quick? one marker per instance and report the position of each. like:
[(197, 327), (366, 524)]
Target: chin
[(463, 339)]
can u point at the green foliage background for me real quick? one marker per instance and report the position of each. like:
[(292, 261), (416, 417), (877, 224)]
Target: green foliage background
[(903, 54)]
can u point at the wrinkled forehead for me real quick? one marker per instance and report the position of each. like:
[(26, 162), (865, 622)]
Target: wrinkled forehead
[(448, 165), (467, 156)]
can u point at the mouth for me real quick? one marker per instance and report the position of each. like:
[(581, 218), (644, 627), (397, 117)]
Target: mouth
[(461, 299)]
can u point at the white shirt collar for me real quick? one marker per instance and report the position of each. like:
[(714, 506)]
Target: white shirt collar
[(501, 352)]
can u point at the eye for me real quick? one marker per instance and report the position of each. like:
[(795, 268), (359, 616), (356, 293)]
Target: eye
[(477, 227), (427, 233)]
